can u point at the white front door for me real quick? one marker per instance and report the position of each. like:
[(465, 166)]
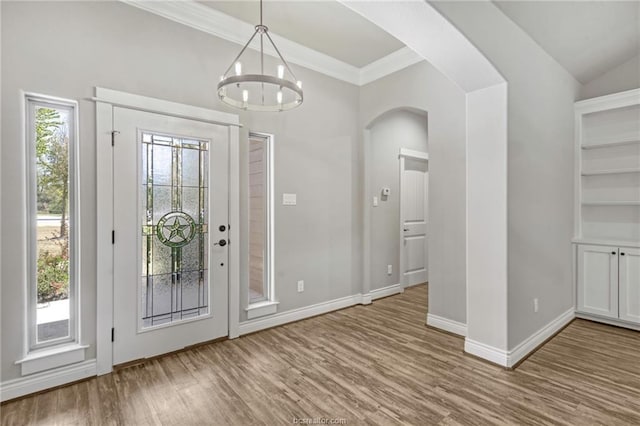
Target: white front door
[(413, 211), (170, 233)]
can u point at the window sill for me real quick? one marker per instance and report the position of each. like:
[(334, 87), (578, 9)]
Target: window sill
[(261, 309), (45, 359)]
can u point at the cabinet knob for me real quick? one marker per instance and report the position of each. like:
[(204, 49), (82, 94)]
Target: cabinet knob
[(613, 252), (621, 254)]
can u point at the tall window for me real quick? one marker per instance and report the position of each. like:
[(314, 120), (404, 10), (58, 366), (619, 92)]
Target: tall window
[(52, 179), (260, 218)]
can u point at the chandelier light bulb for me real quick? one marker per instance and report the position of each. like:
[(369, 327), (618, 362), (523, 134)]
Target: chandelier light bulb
[(245, 96), (238, 68), (280, 71), (299, 84), (224, 89)]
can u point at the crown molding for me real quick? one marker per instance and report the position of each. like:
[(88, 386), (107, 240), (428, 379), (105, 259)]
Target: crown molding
[(216, 23), (211, 21), (395, 61)]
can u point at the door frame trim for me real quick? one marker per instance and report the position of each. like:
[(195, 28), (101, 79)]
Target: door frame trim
[(106, 100), (414, 155)]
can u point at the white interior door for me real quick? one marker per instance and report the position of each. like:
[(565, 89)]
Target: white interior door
[(598, 280), (413, 211), (629, 273), (171, 226)]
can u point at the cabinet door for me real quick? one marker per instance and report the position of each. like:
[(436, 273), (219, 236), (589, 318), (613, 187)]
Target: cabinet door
[(598, 280), (629, 264)]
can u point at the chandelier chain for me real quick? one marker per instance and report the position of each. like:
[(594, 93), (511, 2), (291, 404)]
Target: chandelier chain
[(286, 64), (241, 52)]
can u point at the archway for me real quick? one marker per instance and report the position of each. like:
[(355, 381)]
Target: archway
[(392, 218), (423, 29)]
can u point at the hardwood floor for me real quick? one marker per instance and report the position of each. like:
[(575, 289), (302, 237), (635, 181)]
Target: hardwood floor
[(375, 364)]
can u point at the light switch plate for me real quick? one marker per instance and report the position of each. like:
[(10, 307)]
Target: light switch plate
[(375, 201), (289, 199)]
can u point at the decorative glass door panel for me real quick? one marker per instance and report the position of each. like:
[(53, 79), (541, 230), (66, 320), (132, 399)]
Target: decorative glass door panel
[(174, 229)]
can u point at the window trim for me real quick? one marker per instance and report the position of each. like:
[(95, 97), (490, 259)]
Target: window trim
[(31, 101), (267, 305)]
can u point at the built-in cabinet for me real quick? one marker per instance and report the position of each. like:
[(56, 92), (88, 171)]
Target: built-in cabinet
[(607, 208), (629, 284), (609, 282)]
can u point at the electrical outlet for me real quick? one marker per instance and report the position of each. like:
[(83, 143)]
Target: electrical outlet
[(389, 269), (535, 305), (300, 286)]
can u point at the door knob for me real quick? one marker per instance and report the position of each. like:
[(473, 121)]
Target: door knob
[(221, 243)]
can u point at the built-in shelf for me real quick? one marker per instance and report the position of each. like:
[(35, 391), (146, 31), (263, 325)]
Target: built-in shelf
[(611, 144), (607, 208), (610, 172), (611, 203)]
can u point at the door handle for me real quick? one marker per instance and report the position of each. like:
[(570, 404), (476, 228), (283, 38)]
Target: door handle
[(221, 243)]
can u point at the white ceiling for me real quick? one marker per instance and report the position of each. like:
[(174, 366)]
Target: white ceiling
[(588, 38), (325, 26)]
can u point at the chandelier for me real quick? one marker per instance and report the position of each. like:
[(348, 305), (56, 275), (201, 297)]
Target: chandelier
[(260, 92)]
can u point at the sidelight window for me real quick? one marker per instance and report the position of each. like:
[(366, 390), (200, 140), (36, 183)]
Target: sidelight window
[(261, 292), (53, 227)]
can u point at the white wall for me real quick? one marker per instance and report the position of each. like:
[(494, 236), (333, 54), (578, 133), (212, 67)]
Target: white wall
[(625, 76), (540, 165), (113, 45), (487, 230), (423, 87), (398, 129), (317, 151)]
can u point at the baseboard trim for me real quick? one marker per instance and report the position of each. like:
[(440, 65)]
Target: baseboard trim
[(386, 291), (282, 318), (511, 358), (447, 324), (486, 352), (366, 299), (608, 321), (533, 342), (46, 380), (263, 323)]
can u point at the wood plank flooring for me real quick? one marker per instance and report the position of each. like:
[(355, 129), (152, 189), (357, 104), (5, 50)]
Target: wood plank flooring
[(375, 364)]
